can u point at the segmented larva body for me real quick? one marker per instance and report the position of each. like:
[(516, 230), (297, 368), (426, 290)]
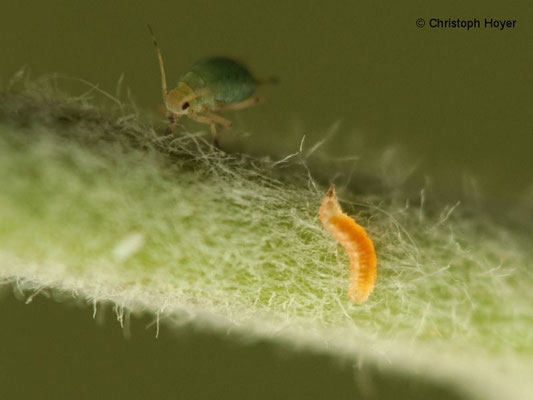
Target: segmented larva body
[(360, 249)]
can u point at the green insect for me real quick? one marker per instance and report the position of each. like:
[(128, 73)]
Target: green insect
[(211, 85)]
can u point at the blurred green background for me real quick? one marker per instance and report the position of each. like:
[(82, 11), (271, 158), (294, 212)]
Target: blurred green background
[(458, 102), (57, 352)]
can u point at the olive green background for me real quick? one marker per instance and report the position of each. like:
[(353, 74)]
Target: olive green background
[(458, 102), (58, 352)]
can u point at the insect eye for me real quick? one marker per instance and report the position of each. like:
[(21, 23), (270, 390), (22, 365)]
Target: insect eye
[(185, 105)]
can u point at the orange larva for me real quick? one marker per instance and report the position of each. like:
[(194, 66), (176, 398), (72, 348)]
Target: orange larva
[(360, 249)]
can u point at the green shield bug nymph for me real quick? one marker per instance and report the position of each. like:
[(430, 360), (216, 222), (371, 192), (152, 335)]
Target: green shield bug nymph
[(211, 85)]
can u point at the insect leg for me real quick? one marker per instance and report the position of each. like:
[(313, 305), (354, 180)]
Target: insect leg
[(215, 134), (211, 122), (218, 119), (172, 123), (252, 101)]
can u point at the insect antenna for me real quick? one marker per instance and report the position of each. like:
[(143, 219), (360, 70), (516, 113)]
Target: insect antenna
[(161, 65)]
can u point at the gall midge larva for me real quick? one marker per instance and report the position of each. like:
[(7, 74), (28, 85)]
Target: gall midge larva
[(360, 249)]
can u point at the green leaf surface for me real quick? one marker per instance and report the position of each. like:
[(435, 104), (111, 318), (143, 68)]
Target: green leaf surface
[(98, 205)]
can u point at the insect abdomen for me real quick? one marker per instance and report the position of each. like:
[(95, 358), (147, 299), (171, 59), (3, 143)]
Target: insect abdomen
[(227, 80)]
